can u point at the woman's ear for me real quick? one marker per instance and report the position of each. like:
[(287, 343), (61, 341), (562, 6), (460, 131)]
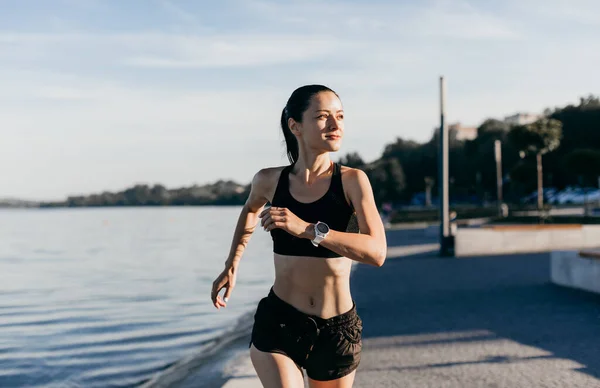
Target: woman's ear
[(294, 126)]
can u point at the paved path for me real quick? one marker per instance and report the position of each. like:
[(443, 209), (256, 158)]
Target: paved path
[(461, 323), (477, 322)]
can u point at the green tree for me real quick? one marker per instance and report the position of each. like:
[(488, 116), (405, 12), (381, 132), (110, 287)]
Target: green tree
[(585, 163), (353, 160), (537, 138), (387, 179), (480, 169), (492, 127), (417, 160), (159, 195), (581, 129), (520, 177)]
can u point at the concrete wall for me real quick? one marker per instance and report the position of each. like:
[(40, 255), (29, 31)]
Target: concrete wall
[(433, 229), (570, 270), (499, 240)]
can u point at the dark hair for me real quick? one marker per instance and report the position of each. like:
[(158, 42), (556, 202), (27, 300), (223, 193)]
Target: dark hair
[(296, 105)]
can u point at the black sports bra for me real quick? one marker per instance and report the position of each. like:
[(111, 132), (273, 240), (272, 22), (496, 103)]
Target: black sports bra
[(332, 209)]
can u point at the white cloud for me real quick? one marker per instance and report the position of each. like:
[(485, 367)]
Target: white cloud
[(458, 19), (238, 51), (109, 108), (61, 93), (164, 50), (178, 11), (14, 37), (581, 12), (455, 19)]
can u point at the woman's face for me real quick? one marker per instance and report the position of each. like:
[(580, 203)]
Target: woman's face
[(322, 126)]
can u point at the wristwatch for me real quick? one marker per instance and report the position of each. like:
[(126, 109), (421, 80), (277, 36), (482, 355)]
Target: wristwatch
[(321, 231)]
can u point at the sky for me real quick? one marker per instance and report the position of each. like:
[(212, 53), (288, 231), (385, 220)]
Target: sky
[(99, 95)]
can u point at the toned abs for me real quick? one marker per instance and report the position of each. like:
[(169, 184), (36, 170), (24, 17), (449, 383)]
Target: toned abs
[(314, 285)]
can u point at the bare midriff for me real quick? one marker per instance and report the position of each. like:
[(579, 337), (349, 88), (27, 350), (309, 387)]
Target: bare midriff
[(314, 285)]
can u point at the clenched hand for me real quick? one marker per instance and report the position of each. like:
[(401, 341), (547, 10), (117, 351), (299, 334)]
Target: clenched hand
[(283, 218)]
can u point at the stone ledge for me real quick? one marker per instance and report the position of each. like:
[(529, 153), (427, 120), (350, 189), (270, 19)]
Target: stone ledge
[(533, 227), (595, 254), (517, 239), (573, 269)]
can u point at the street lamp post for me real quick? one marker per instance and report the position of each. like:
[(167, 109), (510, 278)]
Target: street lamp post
[(445, 237), (498, 155)]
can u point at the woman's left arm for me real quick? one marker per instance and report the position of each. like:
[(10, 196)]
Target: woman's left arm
[(370, 246)]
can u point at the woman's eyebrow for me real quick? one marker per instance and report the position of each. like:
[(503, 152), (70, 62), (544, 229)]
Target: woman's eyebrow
[(325, 110)]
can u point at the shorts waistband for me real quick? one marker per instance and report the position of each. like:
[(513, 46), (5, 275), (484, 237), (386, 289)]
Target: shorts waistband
[(288, 309)]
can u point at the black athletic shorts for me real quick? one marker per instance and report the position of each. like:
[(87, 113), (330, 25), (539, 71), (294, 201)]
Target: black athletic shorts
[(327, 348)]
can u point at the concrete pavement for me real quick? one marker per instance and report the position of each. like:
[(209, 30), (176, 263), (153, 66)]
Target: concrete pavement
[(478, 322)]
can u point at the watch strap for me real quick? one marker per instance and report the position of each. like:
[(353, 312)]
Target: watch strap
[(317, 240)]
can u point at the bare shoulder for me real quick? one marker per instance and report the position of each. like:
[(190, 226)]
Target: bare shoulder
[(265, 181), (269, 172), (267, 176), (354, 177), (355, 182)]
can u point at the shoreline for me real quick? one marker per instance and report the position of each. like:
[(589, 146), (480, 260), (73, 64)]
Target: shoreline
[(209, 361)]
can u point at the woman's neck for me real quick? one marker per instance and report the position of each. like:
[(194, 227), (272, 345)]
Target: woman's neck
[(310, 169)]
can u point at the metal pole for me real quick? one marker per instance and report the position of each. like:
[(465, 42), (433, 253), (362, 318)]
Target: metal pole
[(443, 174), (498, 154), (540, 181)]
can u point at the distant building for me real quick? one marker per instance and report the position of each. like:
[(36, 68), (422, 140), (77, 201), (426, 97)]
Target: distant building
[(522, 118), (463, 132)]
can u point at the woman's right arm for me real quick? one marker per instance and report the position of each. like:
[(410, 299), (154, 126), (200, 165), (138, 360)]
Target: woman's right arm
[(246, 224)]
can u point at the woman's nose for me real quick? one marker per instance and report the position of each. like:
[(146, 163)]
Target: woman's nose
[(334, 123)]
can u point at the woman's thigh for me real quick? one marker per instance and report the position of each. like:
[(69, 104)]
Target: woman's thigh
[(343, 382), (276, 370)]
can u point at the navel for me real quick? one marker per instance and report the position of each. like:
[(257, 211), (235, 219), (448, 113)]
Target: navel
[(311, 301)]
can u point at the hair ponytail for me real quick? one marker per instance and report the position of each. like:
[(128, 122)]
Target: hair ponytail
[(290, 140)]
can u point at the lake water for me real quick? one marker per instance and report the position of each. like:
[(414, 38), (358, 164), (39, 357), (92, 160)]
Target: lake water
[(99, 297)]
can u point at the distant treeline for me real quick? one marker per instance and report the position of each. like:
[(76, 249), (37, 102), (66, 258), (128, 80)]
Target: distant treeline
[(219, 193), (407, 168)]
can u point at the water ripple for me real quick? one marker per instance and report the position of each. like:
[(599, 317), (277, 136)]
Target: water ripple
[(112, 297)]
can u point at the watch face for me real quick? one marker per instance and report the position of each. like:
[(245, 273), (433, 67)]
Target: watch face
[(323, 228)]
